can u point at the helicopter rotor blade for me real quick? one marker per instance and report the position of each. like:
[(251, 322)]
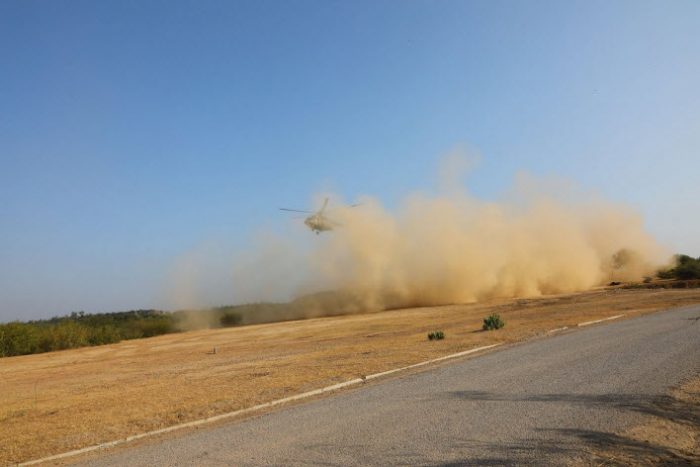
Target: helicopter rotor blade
[(344, 206), (295, 210)]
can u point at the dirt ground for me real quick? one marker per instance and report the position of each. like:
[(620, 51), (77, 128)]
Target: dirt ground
[(55, 402)]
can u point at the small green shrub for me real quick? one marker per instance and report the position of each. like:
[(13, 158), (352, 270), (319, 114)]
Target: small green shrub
[(436, 336), (493, 322)]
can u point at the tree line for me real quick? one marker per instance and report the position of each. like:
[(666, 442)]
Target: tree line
[(81, 329)]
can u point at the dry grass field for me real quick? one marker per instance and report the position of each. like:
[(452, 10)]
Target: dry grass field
[(54, 402)]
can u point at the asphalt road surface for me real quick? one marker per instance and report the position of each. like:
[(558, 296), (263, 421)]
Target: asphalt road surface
[(544, 402)]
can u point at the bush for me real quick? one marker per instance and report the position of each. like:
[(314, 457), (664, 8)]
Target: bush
[(493, 322), (436, 336), (686, 268), (230, 319), (666, 274), (107, 334), (18, 339), (65, 335), (156, 327), (688, 271)]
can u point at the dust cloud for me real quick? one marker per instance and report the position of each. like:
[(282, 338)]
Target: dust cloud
[(541, 237)]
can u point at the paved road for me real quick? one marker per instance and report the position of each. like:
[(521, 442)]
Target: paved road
[(539, 403)]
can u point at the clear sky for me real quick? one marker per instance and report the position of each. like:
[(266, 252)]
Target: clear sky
[(133, 131)]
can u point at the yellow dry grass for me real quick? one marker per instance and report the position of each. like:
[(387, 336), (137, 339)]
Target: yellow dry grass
[(54, 402)]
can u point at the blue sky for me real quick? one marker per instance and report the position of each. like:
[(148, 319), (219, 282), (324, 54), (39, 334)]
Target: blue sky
[(131, 132)]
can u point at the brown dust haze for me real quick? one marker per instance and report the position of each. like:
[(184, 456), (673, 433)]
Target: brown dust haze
[(542, 237)]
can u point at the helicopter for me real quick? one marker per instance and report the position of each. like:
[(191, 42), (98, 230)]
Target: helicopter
[(318, 221)]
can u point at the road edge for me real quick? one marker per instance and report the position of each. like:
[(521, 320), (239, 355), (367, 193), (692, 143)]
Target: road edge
[(255, 408)]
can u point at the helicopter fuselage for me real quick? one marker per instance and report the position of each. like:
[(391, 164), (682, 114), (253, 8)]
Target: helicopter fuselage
[(318, 223)]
